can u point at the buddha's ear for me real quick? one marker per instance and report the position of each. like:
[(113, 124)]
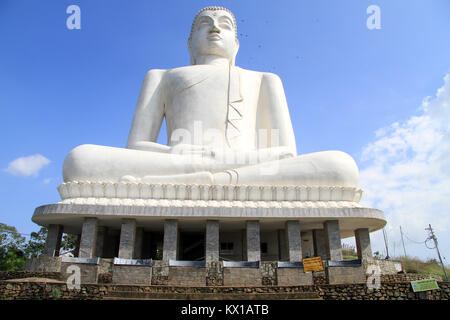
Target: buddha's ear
[(190, 52)]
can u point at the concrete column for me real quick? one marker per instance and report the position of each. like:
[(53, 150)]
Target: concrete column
[(77, 246), (138, 243), (320, 247), (253, 241), (282, 251), (100, 244), (333, 240), (244, 244), (127, 238), (88, 238), (293, 241), (212, 240), (170, 245), (363, 244), (53, 241)]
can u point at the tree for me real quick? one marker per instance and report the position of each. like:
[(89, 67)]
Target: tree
[(12, 255), (36, 245), (69, 243)]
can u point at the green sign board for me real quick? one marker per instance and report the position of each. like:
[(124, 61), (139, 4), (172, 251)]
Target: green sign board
[(424, 285)]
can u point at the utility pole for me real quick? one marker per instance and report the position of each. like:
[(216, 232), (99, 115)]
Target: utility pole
[(401, 233), (386, 244), (432, 236)]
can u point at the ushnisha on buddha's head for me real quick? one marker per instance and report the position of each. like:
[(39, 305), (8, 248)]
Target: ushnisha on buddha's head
[(213, 33)]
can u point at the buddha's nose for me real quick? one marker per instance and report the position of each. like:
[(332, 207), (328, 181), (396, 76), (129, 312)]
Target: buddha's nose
[(214, 29)]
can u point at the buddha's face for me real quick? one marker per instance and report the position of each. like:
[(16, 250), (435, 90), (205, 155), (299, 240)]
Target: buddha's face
[(214, 33)]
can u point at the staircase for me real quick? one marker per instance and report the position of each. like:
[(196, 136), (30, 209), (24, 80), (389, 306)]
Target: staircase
[(124, 292)]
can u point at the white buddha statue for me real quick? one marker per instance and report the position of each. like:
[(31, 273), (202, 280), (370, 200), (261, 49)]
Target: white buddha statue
[(218, 118)]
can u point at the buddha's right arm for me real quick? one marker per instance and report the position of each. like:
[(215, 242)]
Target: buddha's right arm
[(149, 114)]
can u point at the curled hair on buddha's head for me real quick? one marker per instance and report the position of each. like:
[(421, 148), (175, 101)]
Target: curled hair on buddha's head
[(213, 8)]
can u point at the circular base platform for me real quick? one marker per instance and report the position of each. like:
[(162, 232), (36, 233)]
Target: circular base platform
[(192, 214)]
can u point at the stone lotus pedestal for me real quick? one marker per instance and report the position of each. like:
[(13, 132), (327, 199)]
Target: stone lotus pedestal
[(149, 207)]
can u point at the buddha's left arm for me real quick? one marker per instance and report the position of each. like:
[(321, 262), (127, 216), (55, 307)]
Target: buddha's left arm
[(273, 114), (149, 114)]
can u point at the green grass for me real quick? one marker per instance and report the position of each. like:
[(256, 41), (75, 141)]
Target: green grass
[(415, 265), (56, 293), (409, 264), (349, 254)]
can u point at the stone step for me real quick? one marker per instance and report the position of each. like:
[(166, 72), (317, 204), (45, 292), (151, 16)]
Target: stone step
[(133, 295)]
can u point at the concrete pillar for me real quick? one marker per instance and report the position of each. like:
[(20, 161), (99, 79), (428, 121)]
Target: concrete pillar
[(138, 244), (307, 244), (244, 244), (53, 241), (170, 244), (100, 244), (127, 239), (77, 246), (88, 238), (333, 240), (293, 241), (320, 247), (282, 251), (253, 241), (212, 240), (363, 244)]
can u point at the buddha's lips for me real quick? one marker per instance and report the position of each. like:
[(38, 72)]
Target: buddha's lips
[(214, 37)]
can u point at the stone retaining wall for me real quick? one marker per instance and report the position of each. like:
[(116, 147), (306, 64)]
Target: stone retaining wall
[(132, 274), (268, 274), (88, 272), (294, 277), (6, 275), (389, 266), (345, 275), (242, 277), (387, 291), (187, 276), (407, 277)]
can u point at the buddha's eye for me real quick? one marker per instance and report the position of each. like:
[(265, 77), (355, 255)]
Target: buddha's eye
[(225, 26), (202, 23)]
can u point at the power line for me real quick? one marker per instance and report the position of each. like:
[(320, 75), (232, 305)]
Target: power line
[(426, 245), (417, 242)]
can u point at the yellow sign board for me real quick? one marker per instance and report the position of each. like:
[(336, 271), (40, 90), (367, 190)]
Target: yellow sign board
[(312, 264)]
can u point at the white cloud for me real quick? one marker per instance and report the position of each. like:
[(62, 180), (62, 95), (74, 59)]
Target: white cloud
[(27, 166), (406, 173)]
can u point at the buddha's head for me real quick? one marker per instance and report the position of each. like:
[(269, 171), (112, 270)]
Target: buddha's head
[(214, 32)]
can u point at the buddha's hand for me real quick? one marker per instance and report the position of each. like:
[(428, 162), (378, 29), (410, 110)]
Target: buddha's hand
[(191, 149)]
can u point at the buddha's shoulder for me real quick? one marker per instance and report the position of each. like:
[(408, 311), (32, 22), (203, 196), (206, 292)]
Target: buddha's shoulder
[(200, 69), (267, 76), (178, 72)]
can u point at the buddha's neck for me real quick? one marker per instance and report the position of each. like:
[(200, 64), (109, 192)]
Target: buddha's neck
[(212, 60)]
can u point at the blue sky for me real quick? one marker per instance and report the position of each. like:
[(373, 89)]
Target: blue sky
[(348, 88)]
